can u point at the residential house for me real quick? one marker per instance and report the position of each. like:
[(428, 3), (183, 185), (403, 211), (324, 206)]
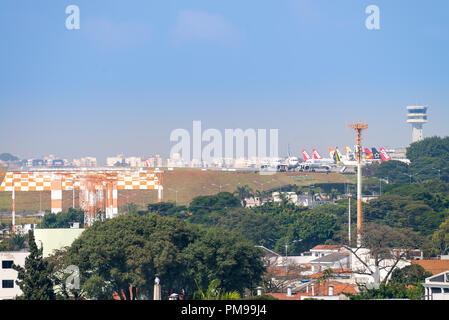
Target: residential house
[(335, 260), (365, 270), (328, 290), (436, 287), (323, 250)]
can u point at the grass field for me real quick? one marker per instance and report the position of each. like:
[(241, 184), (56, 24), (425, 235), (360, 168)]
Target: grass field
[(189, 183)]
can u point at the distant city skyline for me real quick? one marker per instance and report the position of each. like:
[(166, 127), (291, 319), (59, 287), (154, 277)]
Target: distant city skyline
[(135, 71)]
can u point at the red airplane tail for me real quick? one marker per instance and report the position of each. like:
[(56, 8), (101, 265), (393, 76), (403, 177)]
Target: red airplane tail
[(385, 156), (369, 154), (305, 155), (316, 155)]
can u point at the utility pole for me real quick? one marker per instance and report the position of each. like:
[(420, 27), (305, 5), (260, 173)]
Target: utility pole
[(13, 210), (73, 195), (176, 197)]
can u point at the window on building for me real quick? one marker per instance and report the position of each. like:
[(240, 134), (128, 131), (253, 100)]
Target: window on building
[(7, 284), (7, 264), (436, 290)]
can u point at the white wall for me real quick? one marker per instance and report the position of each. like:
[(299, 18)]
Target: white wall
[(55, 239), (364, 255), (10, 274)]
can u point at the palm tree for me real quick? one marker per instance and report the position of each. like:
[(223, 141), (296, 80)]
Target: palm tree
[(214, 292), (326, 275), (243, 192)]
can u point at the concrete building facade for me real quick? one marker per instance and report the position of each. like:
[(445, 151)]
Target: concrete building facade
[(8, 276)]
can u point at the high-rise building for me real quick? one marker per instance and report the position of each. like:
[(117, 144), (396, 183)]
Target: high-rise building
[(115, 161), (85, 162), (417, 116)]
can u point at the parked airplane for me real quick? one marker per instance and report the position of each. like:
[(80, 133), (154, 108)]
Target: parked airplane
[(291, 162), (368, 154), (349, 159), (337, 156), (350, 156), (376, 154), (384, 155), (319, 159), (305, 156), (315, 164)]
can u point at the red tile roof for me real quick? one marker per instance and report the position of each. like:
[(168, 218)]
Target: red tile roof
[(327, 247), (280, 271), (433, 266), (339, 288), (319, 290), (283, 296), (334, 271)]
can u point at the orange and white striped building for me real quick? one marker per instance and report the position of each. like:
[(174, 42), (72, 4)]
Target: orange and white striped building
[(98, 188)]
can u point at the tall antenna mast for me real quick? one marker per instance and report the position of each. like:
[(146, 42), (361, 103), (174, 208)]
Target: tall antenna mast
[(359, 127)]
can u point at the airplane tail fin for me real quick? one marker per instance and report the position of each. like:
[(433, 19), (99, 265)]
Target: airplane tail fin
[(350, 155), (316, 155), (385, 156), (368, 153), (376, 154), (331, 153), (305, 155), (337, 158)]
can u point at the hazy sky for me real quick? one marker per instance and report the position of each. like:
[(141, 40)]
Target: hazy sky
[(136, 70)]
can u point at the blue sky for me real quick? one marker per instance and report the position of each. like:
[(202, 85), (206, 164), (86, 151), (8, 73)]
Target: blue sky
[(136, 70)]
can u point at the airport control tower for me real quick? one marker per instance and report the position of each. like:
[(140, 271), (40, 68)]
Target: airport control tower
[(417, 116)]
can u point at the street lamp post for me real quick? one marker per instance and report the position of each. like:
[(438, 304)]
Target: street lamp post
[(408, 175), (176, 193), (157, 288), (286, 254), (220, 185)]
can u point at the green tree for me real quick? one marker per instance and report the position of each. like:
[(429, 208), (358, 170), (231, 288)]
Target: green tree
[(394, 171), (214, 292), (15, 243), (252, 225), (440, 238), (168, 209), (434, 147), (128, 251), (312, 228), (35, 279), (205, 208), (412, 274), (400, 211), (225, 256), (388, 291), (219, 202), (243, 192), (57, 263), (62, 220)]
